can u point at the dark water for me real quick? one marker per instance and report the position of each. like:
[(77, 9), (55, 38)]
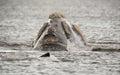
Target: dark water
[(67, 63)]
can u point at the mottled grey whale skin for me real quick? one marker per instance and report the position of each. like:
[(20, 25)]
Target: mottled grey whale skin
[(54, 40), (53, 37), (54, 34)]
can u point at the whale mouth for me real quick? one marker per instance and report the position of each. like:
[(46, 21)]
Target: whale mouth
[(50, 38), (51, 43)]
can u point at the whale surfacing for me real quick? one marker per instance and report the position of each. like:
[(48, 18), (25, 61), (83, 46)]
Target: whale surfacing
[(54, 34)]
